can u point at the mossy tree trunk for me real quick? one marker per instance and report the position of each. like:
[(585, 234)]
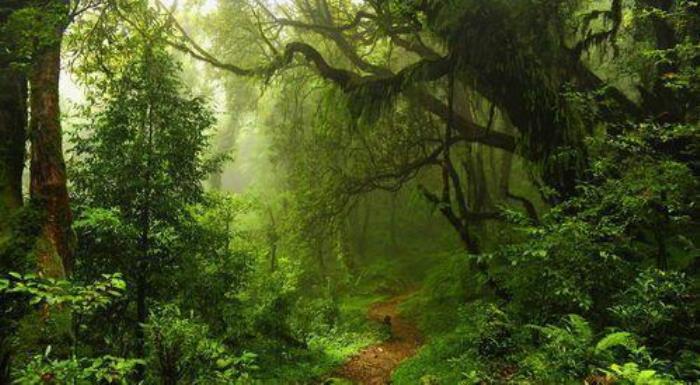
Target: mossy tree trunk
[(48, 177), (12, 147), (13, 133), (48, 171)]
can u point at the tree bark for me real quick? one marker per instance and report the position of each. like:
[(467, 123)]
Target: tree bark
[(321, 259), (13, 137), (393, 224), (5, 365), (54, 247), (362, 241), (272, 238), (13, 134), (13, 130)]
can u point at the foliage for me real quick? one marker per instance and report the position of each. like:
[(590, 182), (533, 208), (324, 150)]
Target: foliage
[(590, 254), (42, 369), (136, 205), (630, 374), (570, 352), (83, 300), (28, 29), (655, 303), (180, 349), (624, 217), (219, 264), (164, 153), (56, 297)]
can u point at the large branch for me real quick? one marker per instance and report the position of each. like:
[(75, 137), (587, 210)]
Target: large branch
[(431, 68), (394, 178), (350, 81), (322, 27), (424, 70), (467, 129), (590, 81), (326, 28), (415, 47)]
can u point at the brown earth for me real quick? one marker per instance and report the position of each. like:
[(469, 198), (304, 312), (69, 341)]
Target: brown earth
[(374, 365)]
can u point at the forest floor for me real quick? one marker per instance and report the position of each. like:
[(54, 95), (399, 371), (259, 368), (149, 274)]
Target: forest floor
[(374, 365)]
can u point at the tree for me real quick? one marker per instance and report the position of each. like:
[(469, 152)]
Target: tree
[(528, 96), (157, 170), (33, 33), (48, 187), (41, 233), (376, 84), (13, 126)]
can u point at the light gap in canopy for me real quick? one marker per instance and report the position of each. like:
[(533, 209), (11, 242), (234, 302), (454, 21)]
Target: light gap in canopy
[(205, 6), (210, 5)]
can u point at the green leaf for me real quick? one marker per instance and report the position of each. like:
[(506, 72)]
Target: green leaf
[(624, 339), (645, 376)]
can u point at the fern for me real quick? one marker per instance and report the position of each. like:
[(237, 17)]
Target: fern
[(623, 339), (631, 374), (580, 327)]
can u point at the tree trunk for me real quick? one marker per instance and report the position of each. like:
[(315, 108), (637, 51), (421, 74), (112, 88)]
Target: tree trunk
[(504, 185), (13, 126), (216, 180), (272, 239), (13, 121), (48, 170), (362, 241), (321, 258), (13, 130), (664, 101), (144, 241), (393, 237), (143, 269), (273, 257), (5, 365)]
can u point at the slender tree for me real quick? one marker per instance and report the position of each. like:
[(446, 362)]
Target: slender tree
[(158, 170)]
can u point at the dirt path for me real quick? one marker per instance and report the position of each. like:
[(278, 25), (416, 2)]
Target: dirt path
[(374, 365)]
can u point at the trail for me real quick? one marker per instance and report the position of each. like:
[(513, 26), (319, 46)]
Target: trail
[(374, 365)]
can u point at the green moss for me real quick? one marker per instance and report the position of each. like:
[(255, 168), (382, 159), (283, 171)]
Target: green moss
[(50, 263)]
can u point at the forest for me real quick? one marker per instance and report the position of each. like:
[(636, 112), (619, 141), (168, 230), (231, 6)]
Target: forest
[(370, 192)]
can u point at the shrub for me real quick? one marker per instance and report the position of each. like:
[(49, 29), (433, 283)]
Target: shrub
[(657, 303), (181, 352)]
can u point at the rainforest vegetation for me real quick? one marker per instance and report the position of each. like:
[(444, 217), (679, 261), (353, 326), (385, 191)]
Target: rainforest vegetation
[(407, 192)]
